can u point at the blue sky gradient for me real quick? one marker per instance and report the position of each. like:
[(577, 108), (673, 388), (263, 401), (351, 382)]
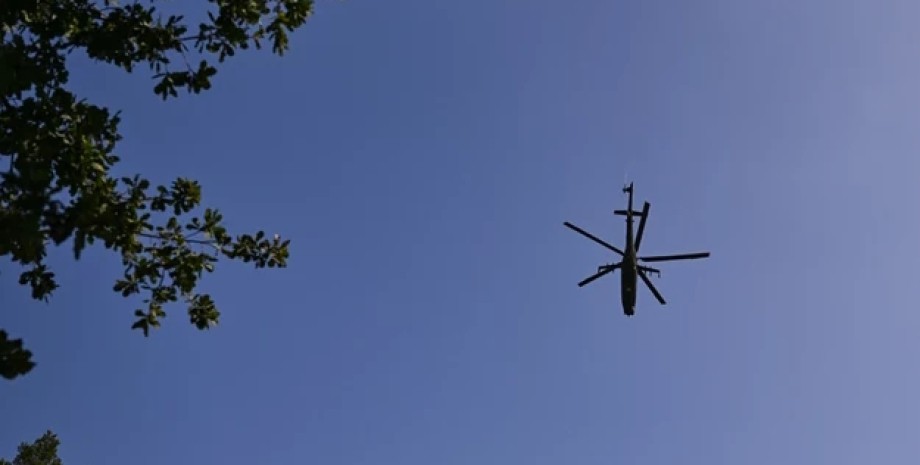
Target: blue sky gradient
[(422, 157)]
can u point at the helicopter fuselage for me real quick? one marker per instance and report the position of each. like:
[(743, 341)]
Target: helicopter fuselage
[(628, 267), (628, 288)]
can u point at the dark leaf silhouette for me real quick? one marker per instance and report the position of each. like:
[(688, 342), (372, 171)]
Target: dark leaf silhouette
[(57, 149)]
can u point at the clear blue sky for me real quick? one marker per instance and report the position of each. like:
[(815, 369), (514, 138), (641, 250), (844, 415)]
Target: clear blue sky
[(422, 156)]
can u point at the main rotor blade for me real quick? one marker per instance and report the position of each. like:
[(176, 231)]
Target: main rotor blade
[(665, 258), (592, 237), (645, 208), (602, 272), (651, 287)]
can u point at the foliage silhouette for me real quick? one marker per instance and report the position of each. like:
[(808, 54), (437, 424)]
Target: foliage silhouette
[(57, 150), (44, 451)]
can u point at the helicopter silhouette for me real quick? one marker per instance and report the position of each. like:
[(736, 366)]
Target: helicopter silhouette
[(629, 266)]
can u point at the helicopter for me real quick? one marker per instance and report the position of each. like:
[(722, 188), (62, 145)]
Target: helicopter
[(629, 266)]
